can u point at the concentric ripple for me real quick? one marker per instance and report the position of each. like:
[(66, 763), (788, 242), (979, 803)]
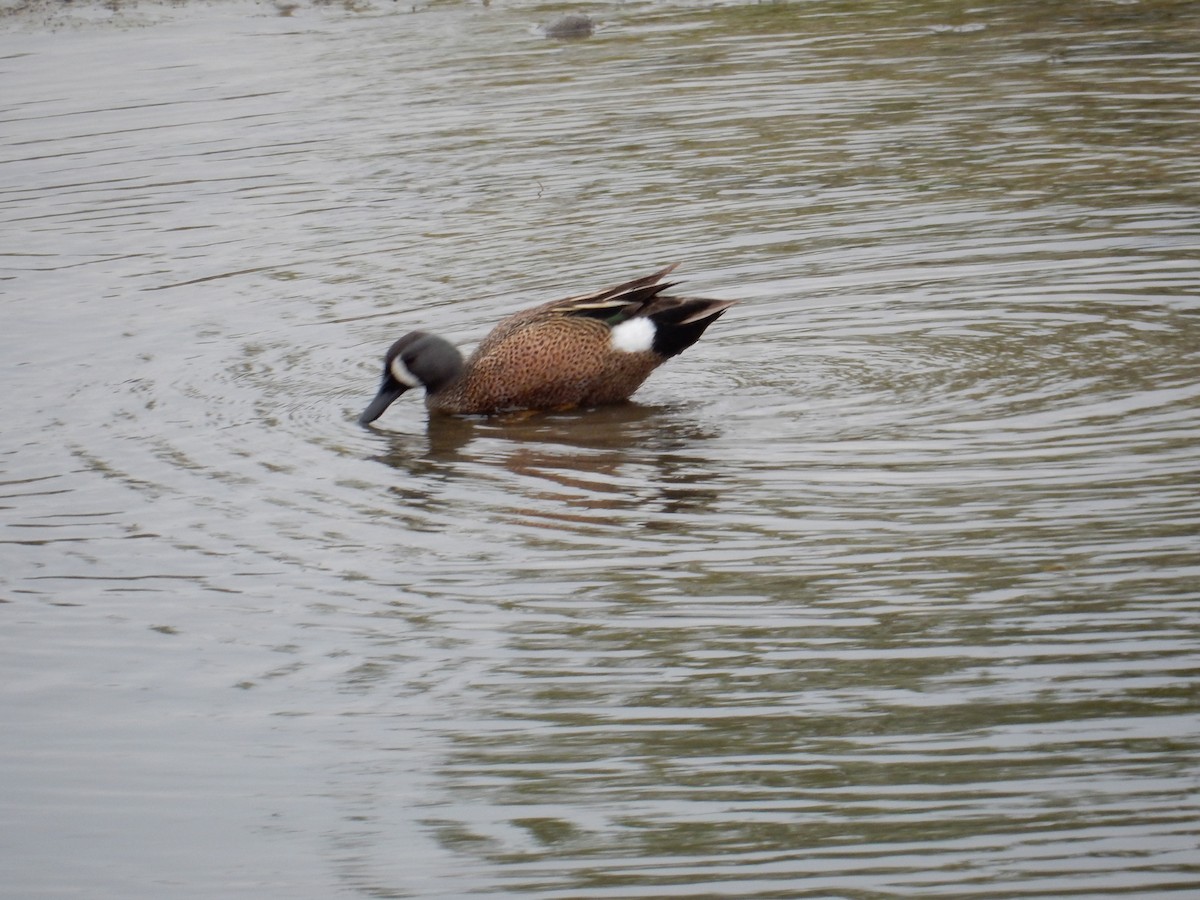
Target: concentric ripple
[(887, 587)]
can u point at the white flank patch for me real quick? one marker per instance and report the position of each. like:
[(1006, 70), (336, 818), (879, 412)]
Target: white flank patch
[(633, 335), (401, 374)]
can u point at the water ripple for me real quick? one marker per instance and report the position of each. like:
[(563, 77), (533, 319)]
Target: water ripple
[(885, 586)]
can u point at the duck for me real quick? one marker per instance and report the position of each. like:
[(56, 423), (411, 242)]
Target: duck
[(582, 351)]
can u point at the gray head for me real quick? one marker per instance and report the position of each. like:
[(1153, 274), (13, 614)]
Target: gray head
[(416, 360)]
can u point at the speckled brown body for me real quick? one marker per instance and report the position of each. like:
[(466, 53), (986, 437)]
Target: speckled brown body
[(555, 363)]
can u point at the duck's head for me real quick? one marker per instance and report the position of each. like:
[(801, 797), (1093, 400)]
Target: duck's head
[(416, 360)]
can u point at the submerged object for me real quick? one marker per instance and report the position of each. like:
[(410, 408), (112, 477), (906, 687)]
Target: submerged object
[(573, 26)]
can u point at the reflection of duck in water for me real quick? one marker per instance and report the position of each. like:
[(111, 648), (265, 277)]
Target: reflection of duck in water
[(573, 26), (582, 351)]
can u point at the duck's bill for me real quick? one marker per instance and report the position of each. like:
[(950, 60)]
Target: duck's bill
[(389, 392)]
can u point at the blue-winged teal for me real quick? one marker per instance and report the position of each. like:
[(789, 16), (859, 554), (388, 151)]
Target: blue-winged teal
[(582, 351)]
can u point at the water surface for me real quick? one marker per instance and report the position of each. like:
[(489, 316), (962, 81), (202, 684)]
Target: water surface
[(888, 587)]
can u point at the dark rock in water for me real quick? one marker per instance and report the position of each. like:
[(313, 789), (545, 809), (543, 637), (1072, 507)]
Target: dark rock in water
[(570, 27)]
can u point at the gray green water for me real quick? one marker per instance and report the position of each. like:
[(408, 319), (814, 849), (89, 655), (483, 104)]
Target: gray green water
[(888, 587)]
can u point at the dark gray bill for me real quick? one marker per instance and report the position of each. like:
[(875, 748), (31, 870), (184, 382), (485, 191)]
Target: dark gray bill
[(388, 392)]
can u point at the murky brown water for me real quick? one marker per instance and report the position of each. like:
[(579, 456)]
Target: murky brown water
[(886, 588)]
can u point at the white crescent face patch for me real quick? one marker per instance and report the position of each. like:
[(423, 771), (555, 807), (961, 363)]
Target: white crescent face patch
[(401, 374), (633, 335)]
